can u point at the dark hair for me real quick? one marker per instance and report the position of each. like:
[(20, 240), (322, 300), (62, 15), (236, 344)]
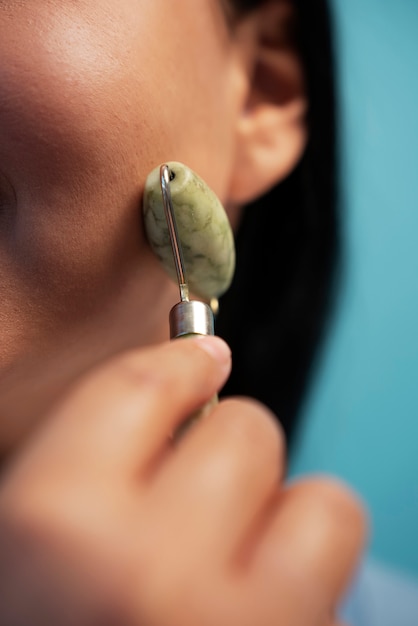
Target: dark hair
[(273, 317)]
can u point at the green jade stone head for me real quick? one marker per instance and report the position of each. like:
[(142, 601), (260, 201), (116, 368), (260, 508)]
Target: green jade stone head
[(203, 227)]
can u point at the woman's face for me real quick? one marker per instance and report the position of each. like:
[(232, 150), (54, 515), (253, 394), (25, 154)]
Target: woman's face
[(93, 95)]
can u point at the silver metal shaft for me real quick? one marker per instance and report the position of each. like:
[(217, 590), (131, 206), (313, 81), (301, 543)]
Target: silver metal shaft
[(174, 236), (188, 317)]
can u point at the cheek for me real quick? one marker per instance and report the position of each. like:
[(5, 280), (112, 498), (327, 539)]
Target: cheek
[(91, 99)]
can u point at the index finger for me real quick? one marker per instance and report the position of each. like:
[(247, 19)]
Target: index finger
[(121, 415)]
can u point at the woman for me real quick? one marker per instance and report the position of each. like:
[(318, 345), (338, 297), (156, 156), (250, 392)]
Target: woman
[(102, 519)]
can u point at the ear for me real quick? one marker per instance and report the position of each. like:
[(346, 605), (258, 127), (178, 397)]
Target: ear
[(271, 129)]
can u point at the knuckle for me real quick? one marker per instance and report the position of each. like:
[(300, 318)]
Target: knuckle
[(339, 505), (254, 428)]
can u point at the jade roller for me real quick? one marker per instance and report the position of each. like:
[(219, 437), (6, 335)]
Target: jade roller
[(189, 231)]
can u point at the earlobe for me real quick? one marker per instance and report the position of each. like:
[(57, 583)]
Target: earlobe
[(271, 129)]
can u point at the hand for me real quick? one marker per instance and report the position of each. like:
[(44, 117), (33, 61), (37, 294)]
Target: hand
[(105, 519)]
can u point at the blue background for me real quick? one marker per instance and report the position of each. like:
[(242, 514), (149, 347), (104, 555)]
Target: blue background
[(361, 420)]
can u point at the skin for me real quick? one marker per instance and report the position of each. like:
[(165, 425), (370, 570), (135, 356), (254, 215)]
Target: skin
[(95, 497), (83, 122)]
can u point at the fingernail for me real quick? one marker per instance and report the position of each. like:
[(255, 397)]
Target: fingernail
[(216, 347)]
